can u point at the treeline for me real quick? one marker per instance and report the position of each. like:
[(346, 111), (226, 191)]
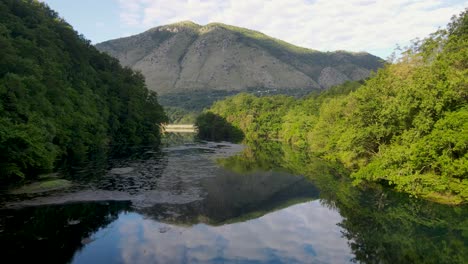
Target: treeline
[(407, 126), (178, 115), (183, 107), (62, 102), (406, 227), (214, 127)]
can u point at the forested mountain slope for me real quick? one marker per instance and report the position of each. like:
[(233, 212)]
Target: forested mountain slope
[(407, 126), (61, 100), (187, 59)]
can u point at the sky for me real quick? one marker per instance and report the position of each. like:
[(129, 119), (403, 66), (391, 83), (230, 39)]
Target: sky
[(375, 26)]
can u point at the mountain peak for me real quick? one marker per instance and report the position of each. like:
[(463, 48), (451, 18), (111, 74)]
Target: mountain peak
[(185, 56), (184, 23), (178, 26), (219, 24)]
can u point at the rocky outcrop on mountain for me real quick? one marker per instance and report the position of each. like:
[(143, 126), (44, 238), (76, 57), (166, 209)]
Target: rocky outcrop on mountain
[(189, 57)]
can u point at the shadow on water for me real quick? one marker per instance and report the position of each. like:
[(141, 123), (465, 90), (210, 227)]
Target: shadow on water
[(53, 233), (218, 202)]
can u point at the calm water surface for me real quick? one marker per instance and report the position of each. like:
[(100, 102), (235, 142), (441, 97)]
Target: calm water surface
[(205, 202)]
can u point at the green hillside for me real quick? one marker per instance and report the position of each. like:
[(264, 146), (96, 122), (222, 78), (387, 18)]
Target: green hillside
[(406, 126), (300, 57), (191, 66), (63, 102)]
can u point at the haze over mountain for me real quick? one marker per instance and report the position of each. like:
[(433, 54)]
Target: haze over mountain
[(185, 56)]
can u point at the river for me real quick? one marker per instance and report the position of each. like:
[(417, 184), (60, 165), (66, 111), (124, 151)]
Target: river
[(218, 202)]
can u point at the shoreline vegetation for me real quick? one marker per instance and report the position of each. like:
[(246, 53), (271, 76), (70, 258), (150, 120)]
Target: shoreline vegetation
[(62, 102), (405, 127)]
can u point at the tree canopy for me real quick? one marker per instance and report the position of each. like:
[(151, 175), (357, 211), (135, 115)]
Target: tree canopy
[(62, 101), (406, 126)]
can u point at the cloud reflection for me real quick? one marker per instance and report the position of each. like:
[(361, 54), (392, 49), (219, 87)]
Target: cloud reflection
[(303, 233)]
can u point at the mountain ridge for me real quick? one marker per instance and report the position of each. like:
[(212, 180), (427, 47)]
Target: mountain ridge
[(186, 56)]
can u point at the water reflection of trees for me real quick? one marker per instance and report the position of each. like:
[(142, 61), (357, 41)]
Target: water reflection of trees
[(174, 139), (382, 226), (53, 233), (388, 227), (235, 197)]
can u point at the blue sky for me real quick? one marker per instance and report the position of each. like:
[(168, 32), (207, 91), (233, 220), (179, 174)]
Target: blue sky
[(326, 25)]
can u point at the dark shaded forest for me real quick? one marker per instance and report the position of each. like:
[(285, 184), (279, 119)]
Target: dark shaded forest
[(62, 102)]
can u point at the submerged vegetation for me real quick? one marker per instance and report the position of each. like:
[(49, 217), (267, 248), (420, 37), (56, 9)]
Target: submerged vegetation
[(62, 102), (406, 126)]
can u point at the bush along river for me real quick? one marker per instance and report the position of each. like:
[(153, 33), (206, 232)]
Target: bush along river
[(218, 202)]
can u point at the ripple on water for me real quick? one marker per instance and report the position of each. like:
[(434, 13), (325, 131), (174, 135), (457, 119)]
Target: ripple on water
[(172, 176), (119, 171)]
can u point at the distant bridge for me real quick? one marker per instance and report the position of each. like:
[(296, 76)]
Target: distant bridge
[(179, 128)]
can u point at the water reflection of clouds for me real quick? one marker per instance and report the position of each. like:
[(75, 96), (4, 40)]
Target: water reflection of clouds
[(304, 233)]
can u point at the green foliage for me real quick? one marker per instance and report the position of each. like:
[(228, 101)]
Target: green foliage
[(408, 123), (405, 126), (382, 226), (24, 148), (177, 115), (258, 117), (276, 117), (62, 101), (430, 165), (214, 127), (193, 101), (196, 101), (43, 186)]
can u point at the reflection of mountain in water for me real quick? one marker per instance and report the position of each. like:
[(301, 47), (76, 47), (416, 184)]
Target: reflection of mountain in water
[(232, 197), (219, 196), (382, 226), (379, 225)]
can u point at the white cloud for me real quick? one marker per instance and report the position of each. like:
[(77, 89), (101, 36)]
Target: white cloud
[(354, 25), (303, 233), (130, 11)]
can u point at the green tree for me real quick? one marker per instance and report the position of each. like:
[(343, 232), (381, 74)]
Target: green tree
[(62, 102)]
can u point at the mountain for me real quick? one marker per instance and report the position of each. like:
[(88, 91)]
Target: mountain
[(406, 127), (185, 56)]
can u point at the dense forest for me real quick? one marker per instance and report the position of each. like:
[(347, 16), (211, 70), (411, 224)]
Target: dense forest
[(383, 226), (183, 107), (62, 102), (406, 126)]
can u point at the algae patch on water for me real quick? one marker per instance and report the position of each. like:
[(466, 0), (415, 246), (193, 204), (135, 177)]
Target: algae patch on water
[(43, 186)]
